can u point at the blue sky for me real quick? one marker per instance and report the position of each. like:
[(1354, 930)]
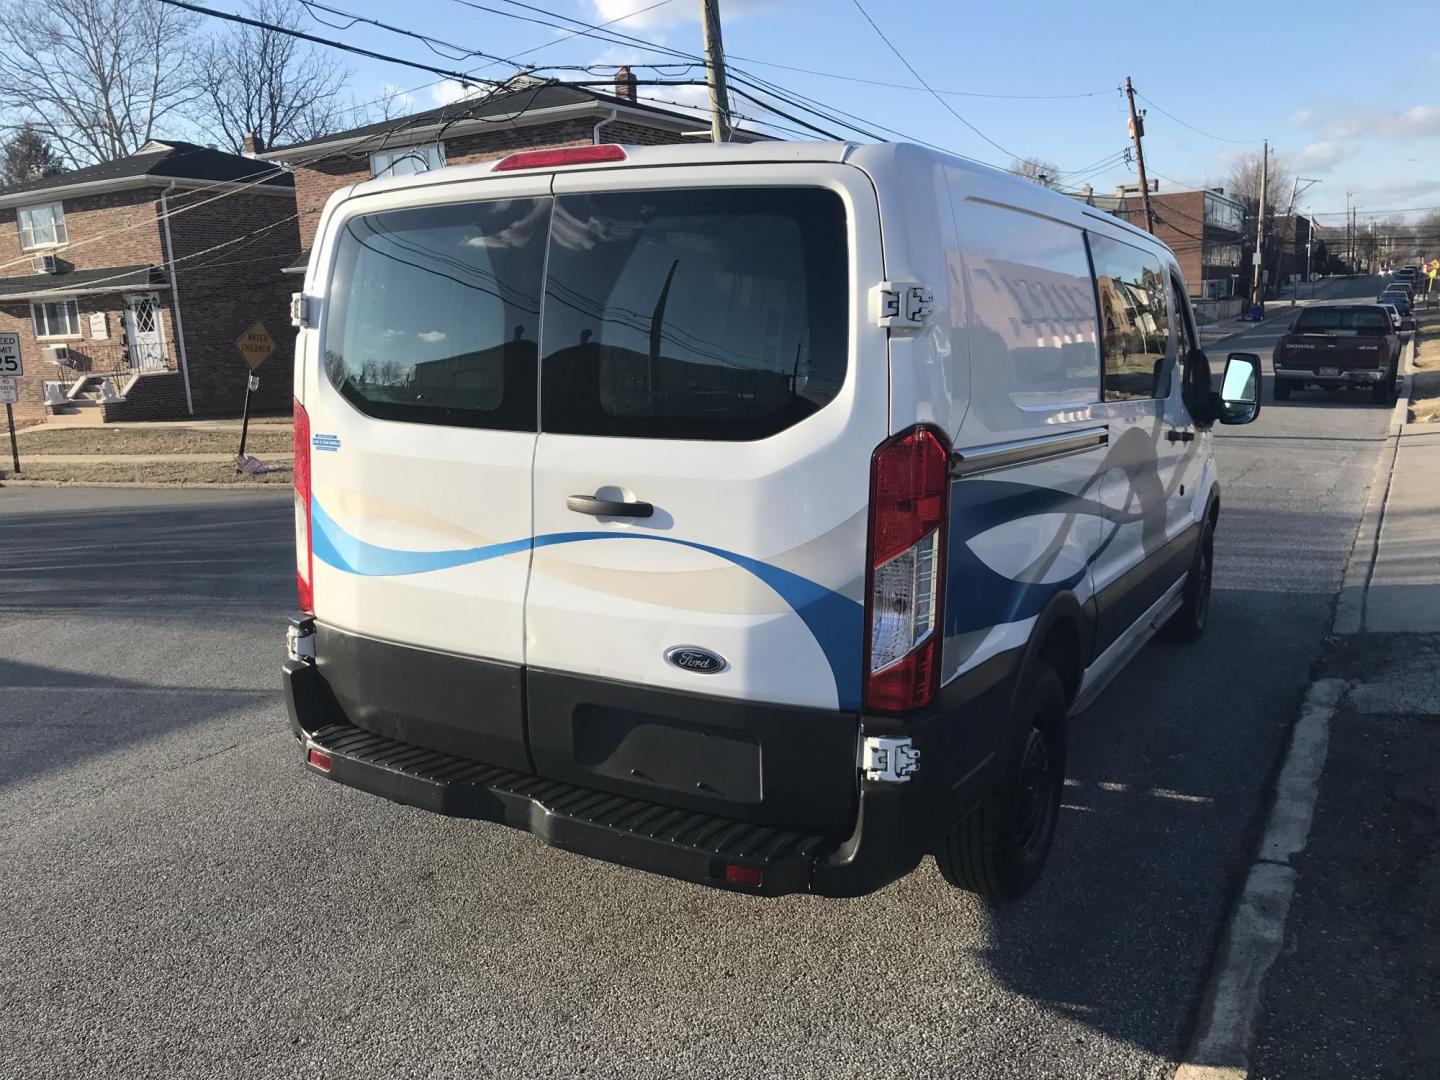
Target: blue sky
[(1371, 126)]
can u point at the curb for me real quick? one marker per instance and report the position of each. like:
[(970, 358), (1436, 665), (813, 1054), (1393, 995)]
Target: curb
[(1349, 615)]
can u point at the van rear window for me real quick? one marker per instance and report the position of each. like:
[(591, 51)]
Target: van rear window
[(694, 314), (435, 313), (1360, 320)]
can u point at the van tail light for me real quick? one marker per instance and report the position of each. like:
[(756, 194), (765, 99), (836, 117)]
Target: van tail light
[(304, 554), (905, 587), (554, 159)]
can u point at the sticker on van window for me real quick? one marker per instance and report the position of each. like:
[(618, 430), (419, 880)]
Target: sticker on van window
[(325, 442)]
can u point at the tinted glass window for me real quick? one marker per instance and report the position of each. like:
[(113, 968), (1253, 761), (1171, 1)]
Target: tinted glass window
[(1134, 320), (434, 313), (694, 314), (1355, 320), (1032, 308)]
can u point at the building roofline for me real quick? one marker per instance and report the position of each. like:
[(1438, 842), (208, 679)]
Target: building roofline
[(520, 117), (122, 183)]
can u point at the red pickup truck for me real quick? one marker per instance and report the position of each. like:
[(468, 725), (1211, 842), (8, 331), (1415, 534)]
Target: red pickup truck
[(1337, 345)]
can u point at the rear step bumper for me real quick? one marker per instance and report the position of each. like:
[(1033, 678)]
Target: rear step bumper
[(892, 830), (647, 836)]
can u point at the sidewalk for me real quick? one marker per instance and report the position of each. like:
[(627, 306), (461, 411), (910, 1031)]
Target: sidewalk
[(1403, 594)]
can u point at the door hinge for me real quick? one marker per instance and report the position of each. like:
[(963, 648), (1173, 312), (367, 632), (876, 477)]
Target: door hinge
[(891, 761), (304, 311), (901, 305)]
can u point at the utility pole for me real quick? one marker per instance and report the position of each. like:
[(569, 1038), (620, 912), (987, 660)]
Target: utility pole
[(1137, 129), (715, 71), (1349, 234), (1257, 297)]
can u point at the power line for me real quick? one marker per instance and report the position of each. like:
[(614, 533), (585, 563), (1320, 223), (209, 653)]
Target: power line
[(906, 86), (911, 68), (1192, 127)]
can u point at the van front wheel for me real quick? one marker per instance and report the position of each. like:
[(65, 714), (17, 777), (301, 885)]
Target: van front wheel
[(999, 849)]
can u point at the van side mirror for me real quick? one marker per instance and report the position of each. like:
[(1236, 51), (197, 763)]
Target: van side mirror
[(1239, 397)]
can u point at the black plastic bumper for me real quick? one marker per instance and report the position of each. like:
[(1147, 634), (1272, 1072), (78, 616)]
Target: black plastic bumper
[(893, 828)]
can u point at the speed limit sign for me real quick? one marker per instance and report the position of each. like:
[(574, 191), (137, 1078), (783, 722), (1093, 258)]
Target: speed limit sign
[(10, 355)]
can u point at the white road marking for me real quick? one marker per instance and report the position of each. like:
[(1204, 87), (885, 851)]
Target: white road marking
[(1221, 1045)]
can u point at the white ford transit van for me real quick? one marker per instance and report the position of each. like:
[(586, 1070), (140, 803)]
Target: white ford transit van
[(754, 515)]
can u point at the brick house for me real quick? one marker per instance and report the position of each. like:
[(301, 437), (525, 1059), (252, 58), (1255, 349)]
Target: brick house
[(1204, 228), (130, 281), (544, 116)]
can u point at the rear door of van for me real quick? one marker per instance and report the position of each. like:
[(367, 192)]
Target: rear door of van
[(421, 402), (711, 394)]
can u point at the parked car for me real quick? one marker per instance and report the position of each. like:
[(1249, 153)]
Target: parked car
[(639, 508), (1394, 314), (1338, 345), (1400, 298)]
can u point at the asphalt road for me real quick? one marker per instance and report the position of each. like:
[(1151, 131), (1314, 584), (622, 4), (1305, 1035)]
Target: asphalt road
[(178, 898)]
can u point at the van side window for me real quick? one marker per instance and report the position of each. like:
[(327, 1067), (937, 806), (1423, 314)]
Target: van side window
[(434, 313), (694, 314), (1032, 312), (1134, 319)]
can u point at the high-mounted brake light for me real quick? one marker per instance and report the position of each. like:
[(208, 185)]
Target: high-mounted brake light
[(554, 159), (304, 551), (909, 514)]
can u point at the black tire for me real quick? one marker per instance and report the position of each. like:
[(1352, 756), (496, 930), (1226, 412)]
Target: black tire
[(1000, 848), (1384, 392), (1282, 390), (1188, 624)]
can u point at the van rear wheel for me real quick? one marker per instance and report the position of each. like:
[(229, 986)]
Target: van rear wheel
[(999, 849)]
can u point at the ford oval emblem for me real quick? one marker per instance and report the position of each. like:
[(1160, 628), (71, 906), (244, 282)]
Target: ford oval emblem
[(693, 658)]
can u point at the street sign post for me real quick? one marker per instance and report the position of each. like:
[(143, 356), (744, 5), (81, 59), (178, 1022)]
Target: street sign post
[(10, 371), (255, 345)]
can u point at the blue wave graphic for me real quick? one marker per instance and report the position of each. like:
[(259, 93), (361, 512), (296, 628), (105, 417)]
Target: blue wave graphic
[(835, 622)]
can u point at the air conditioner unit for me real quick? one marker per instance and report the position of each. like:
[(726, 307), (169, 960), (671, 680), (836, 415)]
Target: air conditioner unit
[(56, 354), (44, 264)]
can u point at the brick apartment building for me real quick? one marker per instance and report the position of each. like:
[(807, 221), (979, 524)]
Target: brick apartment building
[(543, 116), (130, 281)]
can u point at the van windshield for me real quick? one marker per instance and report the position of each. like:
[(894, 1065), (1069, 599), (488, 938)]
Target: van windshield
[(693, 314)]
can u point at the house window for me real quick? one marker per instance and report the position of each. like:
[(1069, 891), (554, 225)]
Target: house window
[(407, 160), (41, 226), (60, 319)]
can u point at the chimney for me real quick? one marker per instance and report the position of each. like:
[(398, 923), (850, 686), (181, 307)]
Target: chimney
[(254, 145), (625, 84)]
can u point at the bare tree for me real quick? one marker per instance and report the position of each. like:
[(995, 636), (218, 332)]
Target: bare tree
[(1042, 172), (27, 156), (1244, 185), (269, 83), (95, 78)]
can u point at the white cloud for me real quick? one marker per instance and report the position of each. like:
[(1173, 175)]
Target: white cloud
[(432, 336), (450, 91), (1322, 156), (673, 13), (1420, 121)]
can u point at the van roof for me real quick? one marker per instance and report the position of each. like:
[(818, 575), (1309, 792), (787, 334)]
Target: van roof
[(876, 159)]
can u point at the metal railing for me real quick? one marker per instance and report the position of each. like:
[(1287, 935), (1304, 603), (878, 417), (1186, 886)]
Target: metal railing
[(76, 358)]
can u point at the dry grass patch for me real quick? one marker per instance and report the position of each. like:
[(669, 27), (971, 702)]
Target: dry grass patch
[(117, 441), (1425, 383), (143, 472)]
